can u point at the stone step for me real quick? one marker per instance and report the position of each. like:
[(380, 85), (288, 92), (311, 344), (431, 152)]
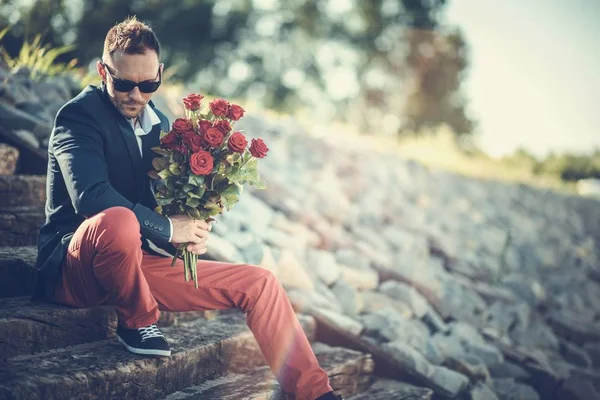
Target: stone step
[(202, 350), (17, 270), (19, 226), (22, 191), (386, 389), (9, 156), (28, 327), (349, 372)]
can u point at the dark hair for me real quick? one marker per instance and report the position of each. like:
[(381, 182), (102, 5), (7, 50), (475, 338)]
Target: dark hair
[(131, 37)]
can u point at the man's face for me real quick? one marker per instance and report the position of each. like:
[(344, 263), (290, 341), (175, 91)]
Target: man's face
[(135, 68)]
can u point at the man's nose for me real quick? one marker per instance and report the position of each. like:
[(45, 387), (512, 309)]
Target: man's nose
[(135, 94)]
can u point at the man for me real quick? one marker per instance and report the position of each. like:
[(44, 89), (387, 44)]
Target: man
[(102, 243)]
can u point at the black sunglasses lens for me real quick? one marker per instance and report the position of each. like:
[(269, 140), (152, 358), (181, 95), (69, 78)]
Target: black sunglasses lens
[(127, 86), (123, 86), (148, 87)]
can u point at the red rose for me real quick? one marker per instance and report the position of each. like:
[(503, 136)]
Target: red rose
[(181, 125), (223, 126), (169, 140), (219, 107), (258, 148), (237, 142), (235, 112), (187, 135), (192, 101), (182, 148), (201, 163), (192, 140), (213, 137), (195, 143), (203, 125)]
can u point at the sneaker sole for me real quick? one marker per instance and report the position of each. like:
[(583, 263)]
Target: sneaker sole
[(145, 352)]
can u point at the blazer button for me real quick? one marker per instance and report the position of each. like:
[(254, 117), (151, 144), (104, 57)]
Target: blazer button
[(160, 228), (151, 225), (146, 222)]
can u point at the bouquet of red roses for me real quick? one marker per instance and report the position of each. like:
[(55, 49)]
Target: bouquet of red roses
[(203, 166)]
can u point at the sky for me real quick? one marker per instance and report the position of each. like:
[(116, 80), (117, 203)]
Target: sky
[(534, 79)]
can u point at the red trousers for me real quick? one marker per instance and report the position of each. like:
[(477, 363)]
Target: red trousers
[(105, 264)]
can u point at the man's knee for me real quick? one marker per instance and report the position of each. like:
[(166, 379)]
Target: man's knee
[(263, 278), (119, 227)]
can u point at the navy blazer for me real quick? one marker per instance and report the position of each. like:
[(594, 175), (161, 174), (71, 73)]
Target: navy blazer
[(94, 163)]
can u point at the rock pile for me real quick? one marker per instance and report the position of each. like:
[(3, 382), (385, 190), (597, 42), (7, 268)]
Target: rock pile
[(471, 286), (28, 108)]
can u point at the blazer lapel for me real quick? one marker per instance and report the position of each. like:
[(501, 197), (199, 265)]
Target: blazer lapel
[(134, 154), (130, 141)]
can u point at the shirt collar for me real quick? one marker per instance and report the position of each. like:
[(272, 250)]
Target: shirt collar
[(147, 120)]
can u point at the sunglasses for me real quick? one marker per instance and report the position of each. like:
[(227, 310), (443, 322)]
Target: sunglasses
[(124, 85)]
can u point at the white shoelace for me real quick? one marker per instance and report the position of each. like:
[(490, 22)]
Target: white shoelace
[(149, 332)]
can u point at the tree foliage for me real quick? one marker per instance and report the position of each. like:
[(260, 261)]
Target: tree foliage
[(382, 65)]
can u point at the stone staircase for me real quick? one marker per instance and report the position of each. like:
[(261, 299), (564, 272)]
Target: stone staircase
[(22, 200), (50, 351)]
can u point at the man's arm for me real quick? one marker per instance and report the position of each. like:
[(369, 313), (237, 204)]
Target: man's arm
[(79, 149)]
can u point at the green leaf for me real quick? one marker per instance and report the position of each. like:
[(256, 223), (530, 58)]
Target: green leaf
[(196, 180), (160, 163), (153, 175), (192, 202), (161, 151), (169, 183), (212, 208), (164, 201), (164, 174), (230, 196), (235, 158), (180, 194), (188, 187), (193, 212), (203, 214), (251, 164), (198, 193), (178, 157), (175, 168), (251, 175), (260, 184), (218, 179)]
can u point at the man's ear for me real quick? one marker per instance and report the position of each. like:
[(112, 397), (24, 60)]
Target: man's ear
[(101, 71)]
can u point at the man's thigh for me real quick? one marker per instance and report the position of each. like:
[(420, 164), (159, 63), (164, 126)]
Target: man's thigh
[(221, 285)]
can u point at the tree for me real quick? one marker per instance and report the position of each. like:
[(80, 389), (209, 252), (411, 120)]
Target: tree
[(383, 65)]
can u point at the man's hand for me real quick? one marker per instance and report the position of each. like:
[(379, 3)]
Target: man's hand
[(193, 232)]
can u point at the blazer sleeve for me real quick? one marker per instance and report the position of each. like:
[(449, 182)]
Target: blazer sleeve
[(78, 147)]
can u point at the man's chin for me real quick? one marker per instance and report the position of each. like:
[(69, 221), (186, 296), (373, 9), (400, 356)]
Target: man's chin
[(129, 112)]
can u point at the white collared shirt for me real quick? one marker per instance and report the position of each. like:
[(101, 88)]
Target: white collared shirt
[(143, 126)]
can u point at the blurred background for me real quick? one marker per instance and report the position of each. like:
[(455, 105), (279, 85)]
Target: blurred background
[(493, 91)]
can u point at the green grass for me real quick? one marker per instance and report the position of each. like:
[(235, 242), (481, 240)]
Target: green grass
[(41, 60), (440, 151)]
